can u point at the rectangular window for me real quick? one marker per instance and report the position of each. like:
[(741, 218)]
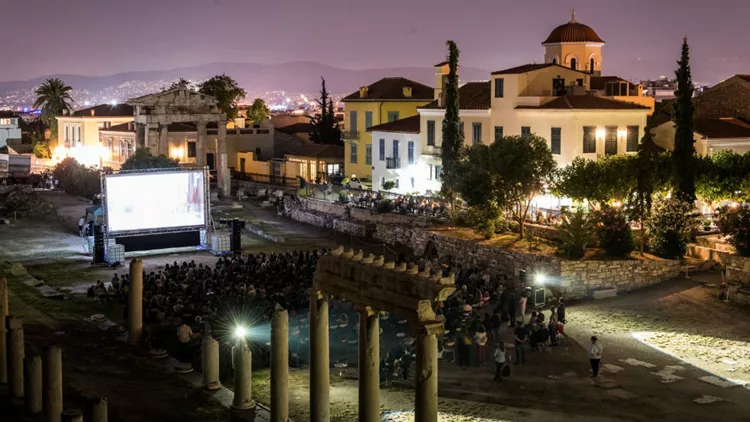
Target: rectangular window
[(410, 152), (395, 149), (555, 140), (499, 87), (438, 170), (257, 152), (353, 124), (79, 134), (632, 140), (429, 171), (368, 154), (610, 140), (431, 133), (392, 115), (476, 133), (382, 150), (525, 131), (67, 133), (368, 119), (498, 133), (412, 183), (242, 165), (353, 153), (461, 128), (396, 186), (191, 149), (589, 139)]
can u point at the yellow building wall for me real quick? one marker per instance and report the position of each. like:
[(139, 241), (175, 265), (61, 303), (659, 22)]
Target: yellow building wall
[(380, 112), (539, 83), (252, 166), (583, 52), (483, 117)]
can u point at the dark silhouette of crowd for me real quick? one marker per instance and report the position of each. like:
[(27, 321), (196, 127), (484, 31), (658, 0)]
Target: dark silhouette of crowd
[(402, 204)]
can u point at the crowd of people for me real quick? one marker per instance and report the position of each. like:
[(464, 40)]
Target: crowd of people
[(403, 204)]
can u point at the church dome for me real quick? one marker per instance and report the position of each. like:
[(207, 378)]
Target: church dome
[(573, 32)]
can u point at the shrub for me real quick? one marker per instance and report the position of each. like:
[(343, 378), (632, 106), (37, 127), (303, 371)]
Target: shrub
[(670, 226), (577, 232), (485, 219), (77, 179), (384, 206), (734, 222), (389, 185), (613, 232)]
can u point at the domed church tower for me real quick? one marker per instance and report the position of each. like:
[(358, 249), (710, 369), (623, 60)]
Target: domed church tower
[(576, 46)]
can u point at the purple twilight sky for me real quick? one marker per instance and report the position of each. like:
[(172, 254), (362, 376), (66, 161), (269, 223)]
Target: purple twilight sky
[(99, 37)]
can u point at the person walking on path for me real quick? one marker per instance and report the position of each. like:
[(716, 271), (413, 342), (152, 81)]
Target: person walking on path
[(521, 338), (512, 310), (595, 355), (480, 340), (523, 307), (499, 361)]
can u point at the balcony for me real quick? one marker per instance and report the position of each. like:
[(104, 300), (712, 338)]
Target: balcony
[(433, 150), (350, 135), (393, 163)]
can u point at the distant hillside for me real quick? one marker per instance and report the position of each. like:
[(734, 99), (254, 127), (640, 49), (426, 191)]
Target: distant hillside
[(293, 77)]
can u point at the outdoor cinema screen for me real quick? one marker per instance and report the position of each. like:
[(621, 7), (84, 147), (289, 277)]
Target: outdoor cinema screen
[(153, 201)]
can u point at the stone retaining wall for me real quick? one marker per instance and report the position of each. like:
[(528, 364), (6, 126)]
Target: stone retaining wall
[(627, 275), (738, 268)]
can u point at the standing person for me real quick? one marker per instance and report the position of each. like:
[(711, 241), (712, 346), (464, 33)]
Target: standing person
[(561, 311), (81, 222), (499, 361), (184, 336), (552, 327), (512, 310), (595, 355), (521, 338), (480, 339), (523, 306)]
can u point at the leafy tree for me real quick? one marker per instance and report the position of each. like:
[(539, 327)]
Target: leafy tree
[(507, 174), (325, 127), (53, 97), (40, 144), (604, 181), (77, 179), (258, 111), (143, 159), (486, 219), (670, 226), (226, 92), (725, 175), (734, 222), (684, 151), (389, 185), (577, 231), (180, 83), (613, 232), (453, 136), (646, 180)]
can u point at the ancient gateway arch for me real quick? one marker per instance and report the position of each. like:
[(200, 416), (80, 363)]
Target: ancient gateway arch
[(373, 285), (155, 112)]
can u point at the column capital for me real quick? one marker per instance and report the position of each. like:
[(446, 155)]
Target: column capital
[(367, 310), (430, 328)]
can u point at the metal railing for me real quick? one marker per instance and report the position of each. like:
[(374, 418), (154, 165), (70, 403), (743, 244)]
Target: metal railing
[(350, 135), (267, 179), (432, 150), (392, 163)]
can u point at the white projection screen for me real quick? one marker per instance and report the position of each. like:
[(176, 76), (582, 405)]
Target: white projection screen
[(155, 201)]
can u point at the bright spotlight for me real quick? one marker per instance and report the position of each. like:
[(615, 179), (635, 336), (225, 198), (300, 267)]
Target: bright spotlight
[(540, 278), (240, 332)]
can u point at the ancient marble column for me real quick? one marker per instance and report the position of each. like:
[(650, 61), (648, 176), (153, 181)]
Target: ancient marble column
[(210, 356), (71, 415), (319, 359), (14, 327), (99, 410), (32, 384), (426, 409), (52, 384), (279, 365), (3, 344), (243, 375), (163, 139), (135, 302), (200, 144), (369, 365), (222, 169), (152, 139), (140, 135)]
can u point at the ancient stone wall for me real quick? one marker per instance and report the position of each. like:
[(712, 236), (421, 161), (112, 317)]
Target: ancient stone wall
[(626, 275), (738, 268)]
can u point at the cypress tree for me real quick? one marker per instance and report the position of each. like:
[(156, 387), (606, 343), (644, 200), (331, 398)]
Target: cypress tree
[(453, 137), (684, 150)]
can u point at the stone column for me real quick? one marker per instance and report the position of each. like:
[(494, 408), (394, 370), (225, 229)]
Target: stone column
[(319, 359), (222, 169), (243, 375), (15, 346), (210, 356), (163, 139), (52, 384), (427, 373), (369, 365), (152, 139), (99, 410), (140, 135), (3, 344), (32, 384), (135, 302), (200, 144), (279, 365), (71, 415)]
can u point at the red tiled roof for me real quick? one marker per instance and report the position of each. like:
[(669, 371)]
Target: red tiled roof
[(471, 96), (405, 125), (443, 63), (585, 102), (600, 82), (722, 128), (130, 128), (393, 89), (105, 110), (296, 128), (745, 78), (7, 114), (318, 151), (523, 68), (572, 32)]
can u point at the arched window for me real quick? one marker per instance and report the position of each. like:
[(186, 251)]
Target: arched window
[(554, 60), (591, 65), (573, 64)]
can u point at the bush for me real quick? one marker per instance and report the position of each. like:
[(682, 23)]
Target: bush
[(670, 226), (77, 179), (577, 232), (613, 232), (734, 222), (485, 219), (384, 206), (389, 185)]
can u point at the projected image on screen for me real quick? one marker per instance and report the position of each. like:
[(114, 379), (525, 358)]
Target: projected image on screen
[(148, 201)]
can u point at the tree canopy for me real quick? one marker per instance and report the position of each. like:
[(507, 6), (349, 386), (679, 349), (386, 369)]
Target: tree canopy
[(325, 127), (453, 136), (508, 174), (258, 111), (684, 150), (52, 96), (143, 159), (226, 92), (182, 82), (725, 175)]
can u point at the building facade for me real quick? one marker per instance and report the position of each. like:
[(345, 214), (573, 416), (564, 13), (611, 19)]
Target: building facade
[(9, 129), (386, 100)]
